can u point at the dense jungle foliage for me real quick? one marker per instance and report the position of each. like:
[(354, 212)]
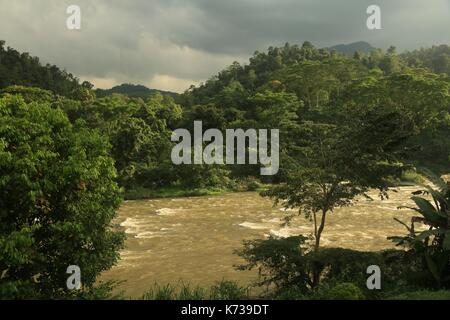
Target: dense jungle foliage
[(68, 154)]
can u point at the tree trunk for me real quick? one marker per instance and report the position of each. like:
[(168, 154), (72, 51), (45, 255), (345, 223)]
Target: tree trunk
[(315, 230), (317, 235), (318, 231)]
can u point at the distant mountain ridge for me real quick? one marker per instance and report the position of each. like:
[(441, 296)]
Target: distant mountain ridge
[(22, 69), (351, 48), (134, 90)]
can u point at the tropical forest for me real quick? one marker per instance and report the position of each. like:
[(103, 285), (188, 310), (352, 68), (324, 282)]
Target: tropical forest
[(359, 208)]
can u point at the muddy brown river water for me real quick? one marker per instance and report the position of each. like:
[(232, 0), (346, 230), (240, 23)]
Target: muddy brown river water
[(193, 239)]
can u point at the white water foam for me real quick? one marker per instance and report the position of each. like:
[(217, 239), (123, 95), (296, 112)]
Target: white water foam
[(282, 233), (273, 220), (132, 225), (165, 212), (288, 210), (147, 235), (253, 225)]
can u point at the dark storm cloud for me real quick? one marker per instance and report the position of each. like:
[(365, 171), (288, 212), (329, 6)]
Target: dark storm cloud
[(172, 43), (239, 27)]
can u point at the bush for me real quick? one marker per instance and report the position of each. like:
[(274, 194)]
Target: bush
[(248, 184), (228, 290), (288, 268), (339, 265), (281, 263), (340, 291), (343, 291), (423, 295), (408, 177), (291, 294)]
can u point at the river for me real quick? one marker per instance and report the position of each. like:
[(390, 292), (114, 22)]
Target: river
[(193, 239)]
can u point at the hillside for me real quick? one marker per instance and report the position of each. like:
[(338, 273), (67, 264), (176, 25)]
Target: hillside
[(319, 80), (351, 48), (22, 69), (132, 90)]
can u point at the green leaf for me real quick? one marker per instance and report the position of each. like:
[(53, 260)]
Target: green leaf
[(428, 210), (440, 199), (429, 233)]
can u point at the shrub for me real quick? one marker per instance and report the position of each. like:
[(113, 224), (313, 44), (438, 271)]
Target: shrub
[(228, 290), (249, 184), (343, 291), (288, 268), (423, 295), (280, 262), (291, 294), (326, 291), (339, 265)]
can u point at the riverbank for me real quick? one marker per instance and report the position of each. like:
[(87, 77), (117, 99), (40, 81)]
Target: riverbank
[(409, 178), (180, 191), (172, 192)]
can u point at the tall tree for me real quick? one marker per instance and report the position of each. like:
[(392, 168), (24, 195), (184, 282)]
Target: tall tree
[(58, 199)]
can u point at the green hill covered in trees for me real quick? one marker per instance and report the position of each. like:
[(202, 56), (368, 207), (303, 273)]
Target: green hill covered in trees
[(351, 48), (22, 69), (133, 90)]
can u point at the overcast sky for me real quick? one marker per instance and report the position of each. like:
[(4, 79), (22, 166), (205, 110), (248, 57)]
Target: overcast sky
[(170, 44)]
